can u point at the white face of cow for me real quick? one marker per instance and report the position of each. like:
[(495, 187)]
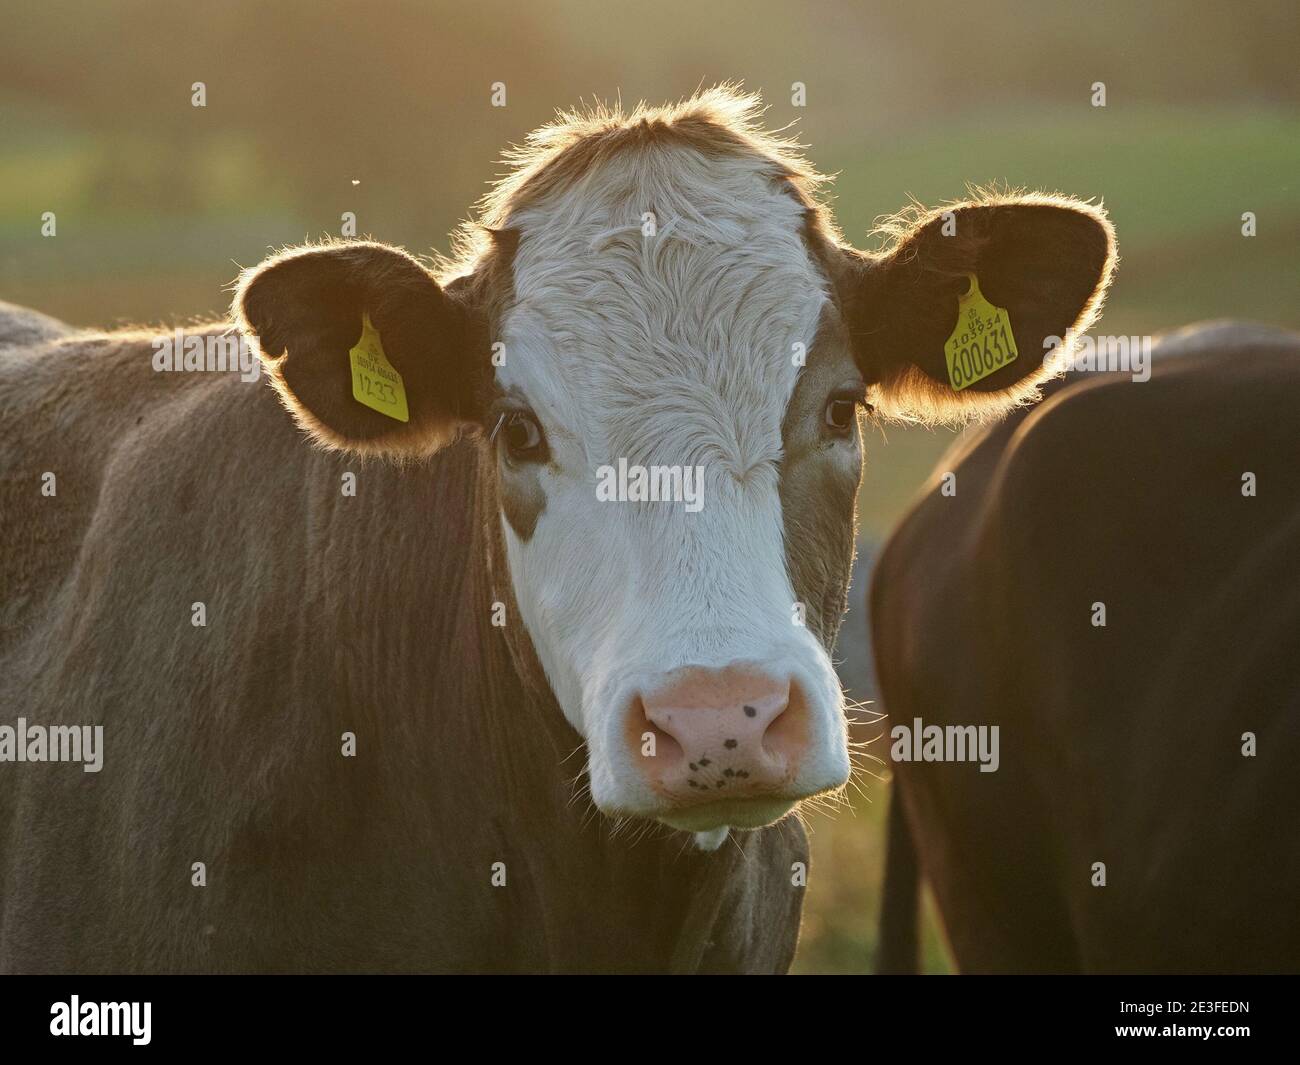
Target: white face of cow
[(669, 330), (661, 315)]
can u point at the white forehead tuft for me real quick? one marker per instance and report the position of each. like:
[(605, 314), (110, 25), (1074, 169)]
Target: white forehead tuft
[(673, 347)]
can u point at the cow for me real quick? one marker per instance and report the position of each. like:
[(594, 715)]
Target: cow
[(401, 664), (1112, 584)]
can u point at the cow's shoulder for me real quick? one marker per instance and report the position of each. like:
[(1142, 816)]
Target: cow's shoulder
[(1093, 434), (1108, 487), (22, 326), (105, 456), (1108, 436), (1224, 335)]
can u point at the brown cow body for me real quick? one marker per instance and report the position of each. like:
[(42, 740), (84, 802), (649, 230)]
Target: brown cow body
[(1120, 744)]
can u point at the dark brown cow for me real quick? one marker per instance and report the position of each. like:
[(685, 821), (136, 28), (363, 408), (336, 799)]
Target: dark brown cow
[(1163, 744)]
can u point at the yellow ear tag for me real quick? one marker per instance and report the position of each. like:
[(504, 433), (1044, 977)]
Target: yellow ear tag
[(375, 383), (981, 343)]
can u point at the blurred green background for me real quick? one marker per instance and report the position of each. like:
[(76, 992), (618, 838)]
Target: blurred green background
[(383, 109)]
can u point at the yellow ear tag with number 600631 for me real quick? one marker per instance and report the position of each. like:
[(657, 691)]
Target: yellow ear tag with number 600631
[(375, 382), (981, 342)]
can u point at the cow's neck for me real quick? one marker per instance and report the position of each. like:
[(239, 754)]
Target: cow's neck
[(487, 691)]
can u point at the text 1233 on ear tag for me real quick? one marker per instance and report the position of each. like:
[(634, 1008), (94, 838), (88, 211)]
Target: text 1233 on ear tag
[(375, 381), (981, 343)]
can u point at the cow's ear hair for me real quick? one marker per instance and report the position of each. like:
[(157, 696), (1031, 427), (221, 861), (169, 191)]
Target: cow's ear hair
[(304, 311), (1046, 260)]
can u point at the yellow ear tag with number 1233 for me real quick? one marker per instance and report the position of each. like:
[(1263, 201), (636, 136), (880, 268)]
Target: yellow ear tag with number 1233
[(375, 382), (981, 343)]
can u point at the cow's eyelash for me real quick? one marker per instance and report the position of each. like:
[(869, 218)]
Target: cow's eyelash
[(500, 411), (857, 393)]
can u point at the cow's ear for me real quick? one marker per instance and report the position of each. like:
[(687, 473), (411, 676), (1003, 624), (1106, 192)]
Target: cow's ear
[(1044, 261), (307, 308)]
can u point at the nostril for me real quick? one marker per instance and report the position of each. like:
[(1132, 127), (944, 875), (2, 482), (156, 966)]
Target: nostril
[(787, 732)]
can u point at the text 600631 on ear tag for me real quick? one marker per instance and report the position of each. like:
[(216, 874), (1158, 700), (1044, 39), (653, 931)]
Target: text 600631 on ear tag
[(375, 381), (981, 343)]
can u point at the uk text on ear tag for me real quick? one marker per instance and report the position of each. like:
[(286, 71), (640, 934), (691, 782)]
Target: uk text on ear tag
[(981, 343), (375, 382)]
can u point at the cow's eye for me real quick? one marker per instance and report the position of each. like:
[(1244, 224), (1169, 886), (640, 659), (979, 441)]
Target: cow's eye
[(841, 412), (522, 436)]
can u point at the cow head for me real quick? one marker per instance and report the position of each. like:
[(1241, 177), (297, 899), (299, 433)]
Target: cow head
[(656, 305)]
